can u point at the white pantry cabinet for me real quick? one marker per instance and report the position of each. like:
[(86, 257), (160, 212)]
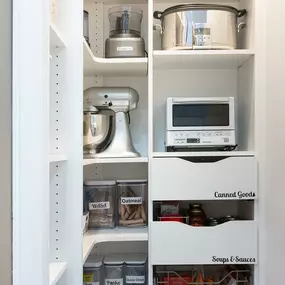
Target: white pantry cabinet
[(53, 65)]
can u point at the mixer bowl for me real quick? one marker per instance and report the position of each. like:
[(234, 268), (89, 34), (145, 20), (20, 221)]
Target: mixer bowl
[(97, 133)]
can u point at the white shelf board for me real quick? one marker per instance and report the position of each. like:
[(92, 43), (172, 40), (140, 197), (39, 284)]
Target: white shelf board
[(119, 234), (95, 66), (200, 59), (57, 158), (56, 39), (203, 153), (115, 160), (56, 269)]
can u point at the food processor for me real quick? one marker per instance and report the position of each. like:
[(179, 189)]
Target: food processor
[(125, 33)]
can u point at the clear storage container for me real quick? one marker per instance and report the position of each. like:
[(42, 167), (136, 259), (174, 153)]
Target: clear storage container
[(92, 272), (125, 21), (135, 272), (114, 269), (132, 195), (100, 197)]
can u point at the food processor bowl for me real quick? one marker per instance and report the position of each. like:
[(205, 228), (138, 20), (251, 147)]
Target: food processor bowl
[(125, 21), (97, 132)]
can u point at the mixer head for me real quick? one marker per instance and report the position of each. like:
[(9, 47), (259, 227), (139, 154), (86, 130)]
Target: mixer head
[(117, 99)]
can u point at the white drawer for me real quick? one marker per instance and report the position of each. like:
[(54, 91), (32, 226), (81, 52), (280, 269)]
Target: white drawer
[(233, 242), (180, 179)]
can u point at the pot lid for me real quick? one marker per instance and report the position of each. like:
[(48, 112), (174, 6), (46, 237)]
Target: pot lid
[(186, 7), (94, 261), (99, 183)]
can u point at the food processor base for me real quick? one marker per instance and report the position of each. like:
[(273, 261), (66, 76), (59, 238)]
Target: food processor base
[(124, 47)]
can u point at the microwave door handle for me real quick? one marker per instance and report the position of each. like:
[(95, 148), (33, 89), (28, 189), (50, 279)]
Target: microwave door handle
[(199, 102)]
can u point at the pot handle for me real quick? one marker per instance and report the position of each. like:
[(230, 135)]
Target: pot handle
[(241, 13), (157, 14)]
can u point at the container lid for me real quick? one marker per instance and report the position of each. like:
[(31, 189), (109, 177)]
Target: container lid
[(132, 181), (99, 183), (138, 258), (114, 259), (94, 261)]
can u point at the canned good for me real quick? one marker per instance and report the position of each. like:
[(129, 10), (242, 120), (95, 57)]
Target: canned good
[(197, 216), (92, 270), (211, 222)]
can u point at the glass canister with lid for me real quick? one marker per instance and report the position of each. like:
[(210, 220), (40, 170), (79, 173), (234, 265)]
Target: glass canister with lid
[(135, 272), (100, 199), (92, 273), (132, 211), (114, 269)]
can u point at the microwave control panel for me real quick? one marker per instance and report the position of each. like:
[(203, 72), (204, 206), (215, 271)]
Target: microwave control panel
[(200, 138)]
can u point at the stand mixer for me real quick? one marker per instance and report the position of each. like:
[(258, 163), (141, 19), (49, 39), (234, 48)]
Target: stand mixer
[(106, 127)]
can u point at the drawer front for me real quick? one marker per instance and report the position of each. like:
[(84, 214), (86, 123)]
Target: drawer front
[(229, 243), (180, 179)]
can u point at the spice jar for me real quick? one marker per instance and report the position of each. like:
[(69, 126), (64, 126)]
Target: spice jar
[(100, 198), (92, 270), (197, 216), (135, 269), (114, 269)]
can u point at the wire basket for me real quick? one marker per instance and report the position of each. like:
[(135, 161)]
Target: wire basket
[(169, 277)]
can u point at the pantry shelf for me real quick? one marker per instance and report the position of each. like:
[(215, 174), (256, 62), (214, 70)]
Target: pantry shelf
[(95, 66), (115, 160), (56, 269), (200, 59), (96, 236), (57, 158), (56, 39), (203, 153)]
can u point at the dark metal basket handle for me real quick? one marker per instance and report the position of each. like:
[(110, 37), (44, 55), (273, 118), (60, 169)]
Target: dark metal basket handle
[(241, 13), (157, 15)]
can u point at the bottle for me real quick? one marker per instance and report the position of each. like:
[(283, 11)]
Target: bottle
[(197, 216)]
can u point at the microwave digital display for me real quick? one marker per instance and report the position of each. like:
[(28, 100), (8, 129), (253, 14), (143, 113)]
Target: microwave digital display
[(196, 115)]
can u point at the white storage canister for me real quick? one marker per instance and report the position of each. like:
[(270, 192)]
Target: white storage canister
[(114, 269), (135, 269), (92, 273)]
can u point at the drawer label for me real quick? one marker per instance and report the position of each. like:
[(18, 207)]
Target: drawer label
[(99, 205), (135, 279), (131, 200), (233, 259), (235, 194), (114, 281)]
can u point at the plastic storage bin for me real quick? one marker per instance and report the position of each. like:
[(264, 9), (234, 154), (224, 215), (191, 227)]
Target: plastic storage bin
[(132, 211), (92, 273), (114, 269), (135, 270), (100, 198)]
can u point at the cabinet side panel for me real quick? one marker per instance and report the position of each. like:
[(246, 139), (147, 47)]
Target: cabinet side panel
[(5, 142)]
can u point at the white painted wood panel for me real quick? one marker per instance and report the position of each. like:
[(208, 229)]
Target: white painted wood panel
[(179, 179), (178, 243)]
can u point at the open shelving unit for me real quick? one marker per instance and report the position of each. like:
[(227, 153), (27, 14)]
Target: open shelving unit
[(52, 244)]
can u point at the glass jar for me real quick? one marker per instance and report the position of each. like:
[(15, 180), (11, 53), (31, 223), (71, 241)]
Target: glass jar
[(135, 269), (100, 198), (92, 271), (197, 216), (114, 270)]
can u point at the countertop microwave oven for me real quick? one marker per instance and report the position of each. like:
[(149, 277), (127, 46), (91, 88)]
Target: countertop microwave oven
[(202, 122)]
